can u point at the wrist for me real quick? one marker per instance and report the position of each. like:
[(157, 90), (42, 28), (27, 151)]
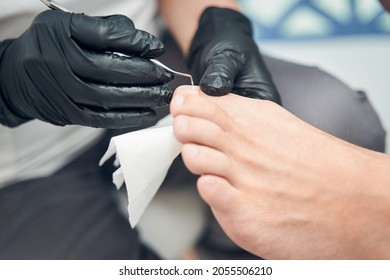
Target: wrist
[(375, 185), (365, 208)]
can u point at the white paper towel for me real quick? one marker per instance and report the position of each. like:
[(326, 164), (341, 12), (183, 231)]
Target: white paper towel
[(144, 157)]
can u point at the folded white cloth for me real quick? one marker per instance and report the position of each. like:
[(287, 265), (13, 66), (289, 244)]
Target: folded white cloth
[(144, 157)]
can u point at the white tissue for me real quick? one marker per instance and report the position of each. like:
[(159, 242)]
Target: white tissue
[(144, 157)]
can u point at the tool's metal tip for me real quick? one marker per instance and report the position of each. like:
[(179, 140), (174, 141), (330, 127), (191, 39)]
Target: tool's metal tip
[(155, 61)]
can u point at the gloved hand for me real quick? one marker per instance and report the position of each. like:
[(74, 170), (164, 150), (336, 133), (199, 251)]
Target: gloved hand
[(62, 70), (224, 57)]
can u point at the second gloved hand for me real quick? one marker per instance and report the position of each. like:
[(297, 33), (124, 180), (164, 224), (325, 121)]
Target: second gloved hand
[(64, 70), (224, 58)]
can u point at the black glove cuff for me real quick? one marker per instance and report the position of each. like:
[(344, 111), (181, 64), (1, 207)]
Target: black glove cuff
[(7, 116), (215, 21)]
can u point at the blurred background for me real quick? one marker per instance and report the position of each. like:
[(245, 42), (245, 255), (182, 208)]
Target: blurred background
[(348, 38)]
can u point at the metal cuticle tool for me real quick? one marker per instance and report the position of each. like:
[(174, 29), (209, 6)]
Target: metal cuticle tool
[(155, 61), (55, 6)]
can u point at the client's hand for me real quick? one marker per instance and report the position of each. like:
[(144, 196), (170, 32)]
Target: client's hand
[(279, 187)]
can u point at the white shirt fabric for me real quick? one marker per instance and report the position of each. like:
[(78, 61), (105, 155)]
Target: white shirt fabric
[(37, 149)]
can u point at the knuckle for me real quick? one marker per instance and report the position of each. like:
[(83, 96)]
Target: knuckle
[(42, 17)]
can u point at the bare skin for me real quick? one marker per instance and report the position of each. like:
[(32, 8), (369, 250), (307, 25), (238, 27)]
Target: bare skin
[(279, 187), (182, 17), (386, 4)]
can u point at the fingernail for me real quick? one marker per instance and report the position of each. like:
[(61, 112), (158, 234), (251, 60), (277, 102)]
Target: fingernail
[(191, 151), (210, 180), (194, 90), (178, 100), (181, 123)]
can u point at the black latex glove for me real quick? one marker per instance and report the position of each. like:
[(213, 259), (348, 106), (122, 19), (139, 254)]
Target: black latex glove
[(224, 58), (62, 71)]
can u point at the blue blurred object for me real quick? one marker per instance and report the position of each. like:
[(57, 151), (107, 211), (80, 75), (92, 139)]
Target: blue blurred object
[(302, 19)]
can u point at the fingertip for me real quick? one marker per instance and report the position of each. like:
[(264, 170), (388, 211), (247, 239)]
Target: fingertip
[(190, 152), (180, 124), (114, 33), (166, 77), (216, 191), (216, 85), (167, 93), (184, 89), (144, 44), (179, 97), (156, 47), (176, 102), (117, 119), (180, 90)]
